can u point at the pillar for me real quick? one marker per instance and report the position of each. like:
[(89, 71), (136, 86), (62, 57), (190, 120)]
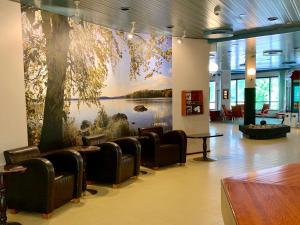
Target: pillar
[(225, 71), (250, 77), (282, 102)]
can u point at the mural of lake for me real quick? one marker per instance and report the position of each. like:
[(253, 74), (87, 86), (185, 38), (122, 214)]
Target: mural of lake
[(159, 111)]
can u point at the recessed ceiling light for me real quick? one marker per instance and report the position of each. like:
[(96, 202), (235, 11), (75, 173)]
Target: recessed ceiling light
[(242, 16), (273, 18), (212, 55), (125, 8), (272, 52), (218, 33), (288, 62), (170, 26)]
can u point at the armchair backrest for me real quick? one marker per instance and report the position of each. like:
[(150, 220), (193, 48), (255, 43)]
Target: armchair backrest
[(158, 130), (94, 139), (20, 154), (225, 110)]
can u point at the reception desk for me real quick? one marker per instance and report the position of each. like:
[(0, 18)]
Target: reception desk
[(265, 197)]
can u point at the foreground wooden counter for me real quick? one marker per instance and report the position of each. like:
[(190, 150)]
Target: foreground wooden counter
[(265, 197)]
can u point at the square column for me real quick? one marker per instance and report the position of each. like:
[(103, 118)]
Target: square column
[(250, 77)]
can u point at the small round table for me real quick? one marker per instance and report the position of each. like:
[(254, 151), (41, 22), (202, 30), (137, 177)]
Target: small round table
[(6, 171), (84, 150)]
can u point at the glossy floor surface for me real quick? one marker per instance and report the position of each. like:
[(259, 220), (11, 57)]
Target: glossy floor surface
[(188, 195)]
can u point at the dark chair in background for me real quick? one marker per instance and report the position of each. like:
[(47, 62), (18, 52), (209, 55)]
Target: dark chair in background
[(50, 180), (161, 149), (116, 161), (227, 113), (237, 112)]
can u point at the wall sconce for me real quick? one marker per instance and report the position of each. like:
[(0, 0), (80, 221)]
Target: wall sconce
[(251, 72), (180, 39), (130, 35), (213, 67)]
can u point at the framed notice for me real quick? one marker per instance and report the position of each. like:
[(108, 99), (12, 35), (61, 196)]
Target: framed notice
[(192, 102)]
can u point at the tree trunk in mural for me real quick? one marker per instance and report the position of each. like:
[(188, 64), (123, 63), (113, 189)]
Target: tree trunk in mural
[(56, 29)]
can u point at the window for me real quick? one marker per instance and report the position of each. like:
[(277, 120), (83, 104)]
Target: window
[(212, 95), (233, 93), (237, 90), (267, 92)]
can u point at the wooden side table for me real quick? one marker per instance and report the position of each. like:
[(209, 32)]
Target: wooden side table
[(6, 171), (204, 137), (84, 150)]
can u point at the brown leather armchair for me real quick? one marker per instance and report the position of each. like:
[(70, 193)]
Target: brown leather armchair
[(161, 149), (116, 161), (50, 180)]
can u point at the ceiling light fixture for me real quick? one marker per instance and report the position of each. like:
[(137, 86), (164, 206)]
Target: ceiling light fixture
[(213, 67), (170, 26), (251, 72), (273, 18), (77, 12), (241, 18), (272, 52), (180, 39), (130, 35), (218, 33), (125, 8)]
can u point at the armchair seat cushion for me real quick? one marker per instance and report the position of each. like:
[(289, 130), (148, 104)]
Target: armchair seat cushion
[(169, 154), (127, 166), (63, 183)]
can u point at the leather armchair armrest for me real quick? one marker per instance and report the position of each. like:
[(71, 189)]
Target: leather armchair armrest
[(152, 145), (130, 145), (177, 137), (110, 156), (68, 161), (20, 188)]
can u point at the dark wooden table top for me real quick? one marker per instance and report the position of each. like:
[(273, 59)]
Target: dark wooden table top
[(12, 169), (266, 197), (204, 135)]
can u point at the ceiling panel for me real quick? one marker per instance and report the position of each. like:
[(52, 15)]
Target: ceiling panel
[(288, 43), (194, 16)]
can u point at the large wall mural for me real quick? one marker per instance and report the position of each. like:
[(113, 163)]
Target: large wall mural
[(84, 79)]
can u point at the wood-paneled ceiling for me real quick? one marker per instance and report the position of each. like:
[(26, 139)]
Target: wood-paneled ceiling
[(194, 16)]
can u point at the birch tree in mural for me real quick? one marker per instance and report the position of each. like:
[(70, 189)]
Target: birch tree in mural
[(64, 60)]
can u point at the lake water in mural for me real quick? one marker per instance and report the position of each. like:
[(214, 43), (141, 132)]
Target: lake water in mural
[(158, 111)]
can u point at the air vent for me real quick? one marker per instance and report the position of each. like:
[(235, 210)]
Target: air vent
[(218, 33), (272, 52)]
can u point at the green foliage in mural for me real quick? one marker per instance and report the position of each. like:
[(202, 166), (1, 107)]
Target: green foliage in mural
[(64, 60)]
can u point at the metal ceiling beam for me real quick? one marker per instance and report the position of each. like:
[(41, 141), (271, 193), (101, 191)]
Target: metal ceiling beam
[(258, 32)]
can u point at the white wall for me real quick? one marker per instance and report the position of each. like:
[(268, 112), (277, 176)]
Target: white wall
[(190, 72), (13, 132)]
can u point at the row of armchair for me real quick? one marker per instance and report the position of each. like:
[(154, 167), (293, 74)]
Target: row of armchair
[(54, 178)]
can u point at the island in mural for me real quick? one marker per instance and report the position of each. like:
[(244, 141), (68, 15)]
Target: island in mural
[(84, 79)]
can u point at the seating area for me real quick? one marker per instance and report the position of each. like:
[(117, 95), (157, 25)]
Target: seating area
[(149, 112), (63, 174)]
